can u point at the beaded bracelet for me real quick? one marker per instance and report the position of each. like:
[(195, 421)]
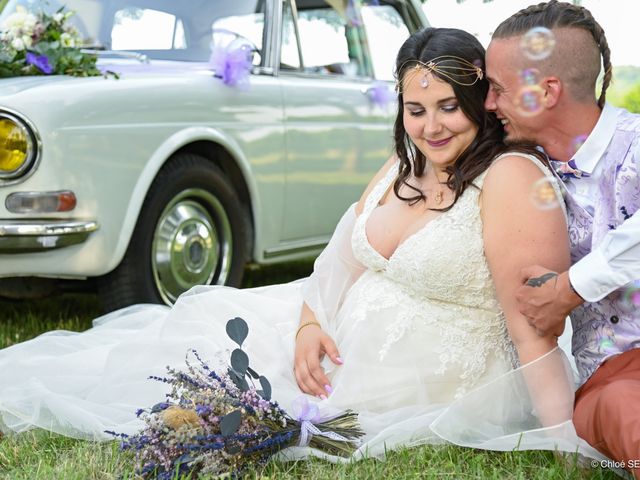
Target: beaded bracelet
[(305, 325)]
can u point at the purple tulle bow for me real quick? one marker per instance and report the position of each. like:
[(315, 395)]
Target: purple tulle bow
[(308, 414), (380, 94), (232, 64)]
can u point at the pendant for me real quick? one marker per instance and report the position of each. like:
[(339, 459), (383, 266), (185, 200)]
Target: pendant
[(439, 197)]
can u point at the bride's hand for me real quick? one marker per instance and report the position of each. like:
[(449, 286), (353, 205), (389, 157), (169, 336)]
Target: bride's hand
[(311, 345)]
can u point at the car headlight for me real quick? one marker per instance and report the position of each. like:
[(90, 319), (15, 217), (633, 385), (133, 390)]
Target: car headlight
[(18, 147)]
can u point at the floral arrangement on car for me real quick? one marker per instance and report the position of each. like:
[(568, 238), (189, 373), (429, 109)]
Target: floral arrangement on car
[(42, 44), (221, 424)]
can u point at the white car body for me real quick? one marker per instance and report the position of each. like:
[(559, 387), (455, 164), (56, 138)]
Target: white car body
[(297, 147)]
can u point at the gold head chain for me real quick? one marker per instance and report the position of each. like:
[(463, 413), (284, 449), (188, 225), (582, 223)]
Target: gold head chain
[(464, 73)]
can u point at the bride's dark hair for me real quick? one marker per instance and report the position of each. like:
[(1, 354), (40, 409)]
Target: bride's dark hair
[(456, 53)]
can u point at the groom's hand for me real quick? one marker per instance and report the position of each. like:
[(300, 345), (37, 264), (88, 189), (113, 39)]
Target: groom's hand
[(545, 299)]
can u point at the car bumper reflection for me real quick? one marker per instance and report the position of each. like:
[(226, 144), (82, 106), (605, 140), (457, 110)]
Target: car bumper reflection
[(22, 236)]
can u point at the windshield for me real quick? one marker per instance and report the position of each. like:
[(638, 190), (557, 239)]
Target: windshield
[(160, 29)]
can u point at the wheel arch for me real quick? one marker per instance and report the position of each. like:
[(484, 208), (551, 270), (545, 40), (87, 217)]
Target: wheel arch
[(209, 143)]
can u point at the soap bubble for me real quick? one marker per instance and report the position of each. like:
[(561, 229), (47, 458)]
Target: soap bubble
[(543, 195), (538, 43), (631, 297), (576, 143), (529, 76), (530, 100)]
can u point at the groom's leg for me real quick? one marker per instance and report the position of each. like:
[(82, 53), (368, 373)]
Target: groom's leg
[(607, 409)]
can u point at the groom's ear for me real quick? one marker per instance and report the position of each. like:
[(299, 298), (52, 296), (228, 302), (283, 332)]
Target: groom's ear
[(553, 89)]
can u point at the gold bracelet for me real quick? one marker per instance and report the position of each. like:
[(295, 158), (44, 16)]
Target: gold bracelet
[(305, 325)]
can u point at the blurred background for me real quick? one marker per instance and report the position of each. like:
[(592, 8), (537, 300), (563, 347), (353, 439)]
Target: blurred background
[(618, 18)]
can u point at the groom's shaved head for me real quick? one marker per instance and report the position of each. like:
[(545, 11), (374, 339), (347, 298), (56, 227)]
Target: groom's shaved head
[(575, 60), (579, 44)]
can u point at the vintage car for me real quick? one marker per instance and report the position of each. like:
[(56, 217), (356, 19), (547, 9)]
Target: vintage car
[(167, 177)]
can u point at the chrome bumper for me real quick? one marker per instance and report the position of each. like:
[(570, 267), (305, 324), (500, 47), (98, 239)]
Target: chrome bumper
[(23, 236)]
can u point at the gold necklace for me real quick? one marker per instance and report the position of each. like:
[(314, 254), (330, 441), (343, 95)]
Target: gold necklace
[(439, 197)]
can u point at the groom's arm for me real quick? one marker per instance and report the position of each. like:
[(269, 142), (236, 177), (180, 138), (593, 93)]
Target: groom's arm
[(547, 300)]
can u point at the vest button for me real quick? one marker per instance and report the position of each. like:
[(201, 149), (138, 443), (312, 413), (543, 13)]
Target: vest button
[(614, 319)]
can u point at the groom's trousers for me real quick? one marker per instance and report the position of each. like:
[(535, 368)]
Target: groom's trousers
[(607, 409)]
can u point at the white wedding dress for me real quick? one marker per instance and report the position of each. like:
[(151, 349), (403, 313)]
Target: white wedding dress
[(427, 358)]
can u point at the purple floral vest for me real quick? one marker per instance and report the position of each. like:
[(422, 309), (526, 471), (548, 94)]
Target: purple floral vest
[(606, 328)]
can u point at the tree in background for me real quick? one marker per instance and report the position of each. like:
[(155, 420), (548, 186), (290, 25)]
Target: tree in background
[(632, 99)]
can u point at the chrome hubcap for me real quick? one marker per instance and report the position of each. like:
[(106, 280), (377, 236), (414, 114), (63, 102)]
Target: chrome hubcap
[(191, 244)]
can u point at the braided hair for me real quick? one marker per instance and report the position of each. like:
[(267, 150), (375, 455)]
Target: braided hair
[(554, 14)]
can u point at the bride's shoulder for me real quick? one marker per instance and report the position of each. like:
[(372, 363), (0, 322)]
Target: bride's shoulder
[(515, 169), (514, 161), (389, 164)]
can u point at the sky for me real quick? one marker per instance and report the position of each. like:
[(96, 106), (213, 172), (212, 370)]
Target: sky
[(618, 18)]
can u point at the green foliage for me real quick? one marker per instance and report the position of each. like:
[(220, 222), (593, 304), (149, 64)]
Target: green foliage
[(632, 100)]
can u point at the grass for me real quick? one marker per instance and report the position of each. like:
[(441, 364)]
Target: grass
[(43, 455)]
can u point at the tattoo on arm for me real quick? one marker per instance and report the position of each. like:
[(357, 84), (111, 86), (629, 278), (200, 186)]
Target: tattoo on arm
[(541, 280)]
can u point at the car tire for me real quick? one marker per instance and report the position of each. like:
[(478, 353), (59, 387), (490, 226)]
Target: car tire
[(192, 230)]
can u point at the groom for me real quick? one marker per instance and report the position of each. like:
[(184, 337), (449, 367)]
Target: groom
[(596, 148)]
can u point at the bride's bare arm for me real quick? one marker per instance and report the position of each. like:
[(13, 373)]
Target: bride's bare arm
[(334, 272), (517, 233)]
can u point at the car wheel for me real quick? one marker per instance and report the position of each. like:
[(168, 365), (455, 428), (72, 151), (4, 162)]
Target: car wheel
[(192, 230)]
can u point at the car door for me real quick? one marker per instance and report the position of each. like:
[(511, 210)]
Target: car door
[(337, 135)]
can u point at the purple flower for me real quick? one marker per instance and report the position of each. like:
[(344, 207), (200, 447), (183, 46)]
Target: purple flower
[(232, 65), (41, 62)]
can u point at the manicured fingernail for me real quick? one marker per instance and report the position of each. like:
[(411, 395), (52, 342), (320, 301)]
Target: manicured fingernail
[(323, 397), (328, 388), (339, 360)]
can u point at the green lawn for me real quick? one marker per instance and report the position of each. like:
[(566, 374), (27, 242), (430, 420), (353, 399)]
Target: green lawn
[(42, 455)]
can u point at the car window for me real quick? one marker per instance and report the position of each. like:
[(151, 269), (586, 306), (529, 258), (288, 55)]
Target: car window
[(146, 29), (247, 29), (386, 32), (160, 29), (325, 41)]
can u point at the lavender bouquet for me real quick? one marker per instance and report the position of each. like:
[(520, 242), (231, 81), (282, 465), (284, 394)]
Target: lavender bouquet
[(222, 424)]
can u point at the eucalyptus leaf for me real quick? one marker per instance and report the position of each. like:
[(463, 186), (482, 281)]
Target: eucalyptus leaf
[(233, 449), (184, 459), (230, 423), (239, 362), (238, 380), (159, 407), (7, 56), (253, 373), (237, 330), (266, 388)]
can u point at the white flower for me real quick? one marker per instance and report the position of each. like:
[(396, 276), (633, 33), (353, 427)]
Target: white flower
[(17, 44), (58, 17), (67, 40), (20, 24)]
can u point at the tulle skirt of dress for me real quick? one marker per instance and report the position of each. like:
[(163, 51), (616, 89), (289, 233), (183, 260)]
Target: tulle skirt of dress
[(81, 384)]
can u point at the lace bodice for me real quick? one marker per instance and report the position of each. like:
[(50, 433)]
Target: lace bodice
[(438, 276), (443, 261)]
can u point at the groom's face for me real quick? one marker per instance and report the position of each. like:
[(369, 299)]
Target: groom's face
[(517, 106)]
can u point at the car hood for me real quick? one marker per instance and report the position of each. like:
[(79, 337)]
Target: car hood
[(124, 70), (11, 86)]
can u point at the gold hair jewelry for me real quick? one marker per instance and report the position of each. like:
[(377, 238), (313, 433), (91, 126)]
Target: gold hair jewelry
[(464, 73), (305, 325)]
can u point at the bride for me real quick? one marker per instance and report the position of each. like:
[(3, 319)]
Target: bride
[(409, 317)]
